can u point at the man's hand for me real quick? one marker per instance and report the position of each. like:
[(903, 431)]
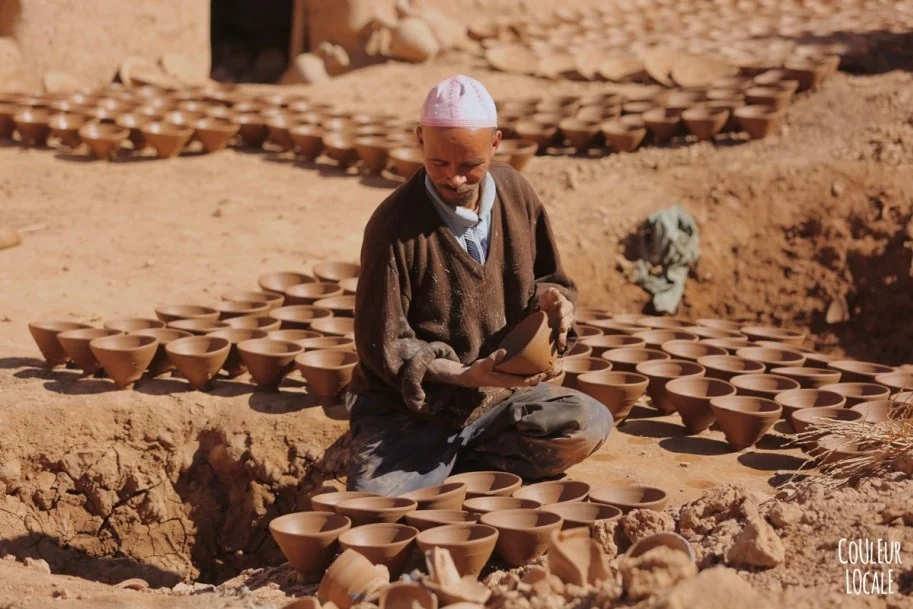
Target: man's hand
[(482, 373), (560, 313)]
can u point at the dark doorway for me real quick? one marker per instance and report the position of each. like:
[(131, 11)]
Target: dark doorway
[(250, 40)]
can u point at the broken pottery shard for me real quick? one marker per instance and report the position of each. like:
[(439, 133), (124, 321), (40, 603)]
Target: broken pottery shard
[(575, 558), (445, 581)]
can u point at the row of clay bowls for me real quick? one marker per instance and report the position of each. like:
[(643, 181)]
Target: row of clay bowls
[(295, 320)]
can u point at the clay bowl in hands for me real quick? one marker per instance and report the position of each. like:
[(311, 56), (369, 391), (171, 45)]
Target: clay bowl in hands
[(896, 381), (623, 137), (772, 357), (198, 327), (76, 345), (630, 497), (406, 160), (447, 496), (488, 484), (853, 371), (806, 418), (103, 139), (874, 411), (617, 391), (327, 502), (724, 367), (368, 510), (607, 342), (335, 326), (234, 366), (45, 335), (554, 491), (298, 317), (809, 378), (309, 539), (33, 126), (65, 127), (666, 539), (252, 322), (774, 334), (576, 366), (168, 139), (627, 360), (691, 396), (280, 281), (856, 393), (124, 357), (199, 358), (529, 347), (798, 399), (705, 122), (656, 338), (428, 519), (523, 535), (759, 121), (660, 372), (341, 306), (518, 152), (582, 513), (272, 299), (374, 153), (745, 420), (161, 363), (171, 313), (328, 373), (470, 545), (336, 271), (763, 385), (388, 544)]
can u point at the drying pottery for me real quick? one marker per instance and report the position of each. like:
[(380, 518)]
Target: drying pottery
[(388, 544), (293, 336), (273, 299), (656, 338), (575, 558), (281, 281), (488, 484), (65, 127), (406, 160), (103, 139), (278, 125), (662, 323), (554, 491), (730, 344), (340, 147), (252, 322), (350, 579), (805, 418), (588, 315), (483, 505), (309, 539), (234, 365), (772, 357), (775, 97), (579, 133), (320, 343), (807, 73), (427, 519), (167, 138), (447, 496), (529, 347), (663, 123), (703, 333), (690, 350), (368, 510), (690, 396), (335, 326), (809, 378), (745, 420), (171, 313), (129, 324), (771, 333), (45, 335), (607, 342), (576, 366), (853, 371), (856, 393), (797, 399), (124, 357), (578, 350), (214, 134), (470, 545), (666, 539), (374, 153), (896, 381), (252, 128), (832, 448), (328, 373), (518, 152), (336, 271), (617, 391), (720, 324), (585, 331), (7, 112), (763, 385), (341, 306), (724, 367), (759, 121), (199, 358), (232, 308), (582, 513), (327, 502), (631, 497), (660, 372), (161, 363), (298, 317), (349, 285), (198, 327), (705, 122), (541, 134), (874, 411), (76, 345), (623, 137), (33, 126), (523, 535), (407, 595), (626, 360)]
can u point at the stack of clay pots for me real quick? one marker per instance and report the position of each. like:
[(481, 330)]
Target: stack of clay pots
[(473, 516), (294, 321)]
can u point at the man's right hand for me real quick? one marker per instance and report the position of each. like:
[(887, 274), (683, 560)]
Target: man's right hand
[(482, 373)]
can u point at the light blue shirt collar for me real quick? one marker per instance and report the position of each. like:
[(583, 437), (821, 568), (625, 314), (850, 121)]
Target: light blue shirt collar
[(461, 219)]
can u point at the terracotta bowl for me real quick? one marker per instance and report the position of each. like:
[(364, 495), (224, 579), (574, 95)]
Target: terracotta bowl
[(704, 332), (470, 545), (7, 112), (368, 510), (660, 372), (763, 385), (171, 313), (240, 308), (690, 350), (488, 484), (335, 326), (691, 396), (341, 306), (340, 147), (582, 513), (799, 399), (45, 335), (617, 391), (705, 122), (349, 285), (745, 420), (298, 317), (407, 595), (388, 544), (853, 371), (33, 126), (809, 378), (724, 367), (759, 121), (732, 345), (581, 134), (614, 326), (656, 338), (627, 360), (875, 411), (278, 125), (234, 366), (327, 502), (251, 128), (252, 322), (554, 491), (518, 152), (198, 327), (321, 343), (529, 347), (103, 139), (268, 360), (541, 134), (309, 540), (856, 393), (280, 281), (272, 299), (576, 366), (586, 331), (374, 153), (523, 535), (896, 381), (771, 357), (428, 519), (447, 496), (606, 342), (161, 363), (630, 497), (663, 123), (328, 373), (75, 344), (578, 350), (666, 539), (293, 336), (215, 134), (657, 322), (335, 271), (65, 127), (772, 333), (124, 357), (406, 160), (623, 137), (805, 418), (589, 315), (168, 139), (776, 97), (128, 324), (199, 358)]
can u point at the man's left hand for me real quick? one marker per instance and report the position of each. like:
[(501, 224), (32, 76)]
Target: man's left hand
[(560, 313)]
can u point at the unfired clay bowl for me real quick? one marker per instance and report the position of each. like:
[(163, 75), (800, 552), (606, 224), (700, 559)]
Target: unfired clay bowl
[(745, 420), (45, 335), (576, 366), (128, 324), (705, 122), (298, 317), (124, 357), (33, 126), (374, 153), (368, 510), (724, 367), (799, 399), (488, 484), (856, 393), (606, 342), (732, 345), (631, 497), (280, 281), (253, 322), (809, 378), (168, 139), (656, 338), (234, 366), (660, 372), (328, 372), (293, 336), (690, 350), (215, 134), (617, 391), (627, 360), (484, 505), (896, 381), (759, 121), (763, 385), (273, 299), (691, 396), (529, 348), (523, 535), (805, 418), (447, 496), (309, 539), (198, 327), (832, 448), (622, 137), (406, 160), (335, 326), (876, 411), (722, 324), (327, 502), (772, 333), (65, 127), (853, 371), (341, 306), (427, 519), (199, 358), (554, 491), (175, 312), (322, 343), (103, 139), (389, 544), (76, 345), (161, 363), (771, 357), (335, 271), (470, 545), (239, 308), (582, 513)]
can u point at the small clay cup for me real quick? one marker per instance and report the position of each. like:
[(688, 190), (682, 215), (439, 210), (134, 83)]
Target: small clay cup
[(523, 535), (135, 123), (45, 335), (280, 281), (272, 299), (124, 357), (774, 334), (607, 342), (581, 134), (335, 271), (705, 122), (103, 139), (540, 134), (853, 371), (215, 134), (666, 539), (368, 510), (576, 366), (856, 393), (554, 491), (334, 326), (65, 127), (470, 545), (388, 544), (447, 496), (168, 139), (798, 399), (171, 313), (488, 484), (328, 372), (234, 366), (772, 357), (623, 137), (268, 360), (763, 385), (33, 126), (630, 497), (617, 391), (776, 97), (298, 317), (663, 123), (627, 360), (161, 363), (428, 519), (809, 378), (252, 129), (406, 160), (529, 346), (896, 381), (252, 322), (759, 121), (374, 153), (309, 540), (341, 306), (199, 358), (660, 372), (198, 327), (340, 147), (691, 396), (76, 345), (804, 419), (656, 338), (724, 367), (745, 420), (327, 502), (582, 513)]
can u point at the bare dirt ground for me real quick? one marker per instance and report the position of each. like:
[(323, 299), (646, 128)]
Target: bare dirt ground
[(171, 485)]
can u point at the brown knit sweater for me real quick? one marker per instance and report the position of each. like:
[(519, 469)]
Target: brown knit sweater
[(421, 296)]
